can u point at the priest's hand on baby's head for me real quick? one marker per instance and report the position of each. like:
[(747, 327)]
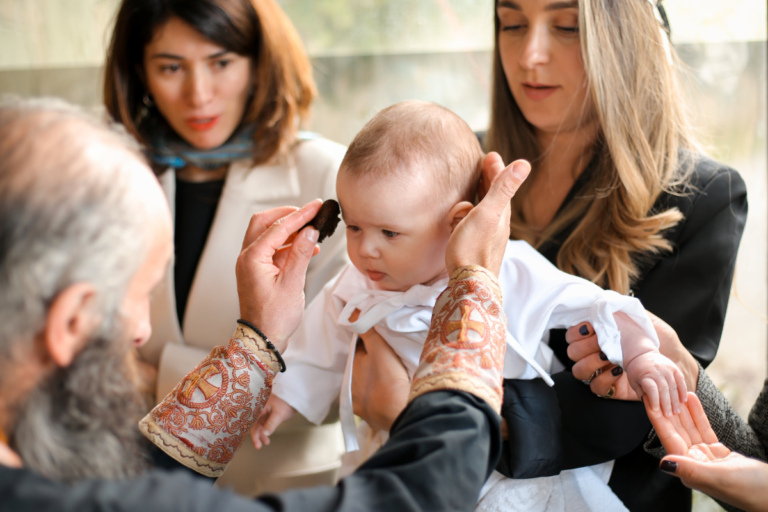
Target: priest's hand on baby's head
[(275, 412), (659, 380)]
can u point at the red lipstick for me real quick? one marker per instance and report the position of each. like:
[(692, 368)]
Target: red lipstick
[(202, 124)]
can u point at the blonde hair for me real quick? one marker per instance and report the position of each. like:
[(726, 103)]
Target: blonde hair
[(418, 133), (283, 87), (644, 148)]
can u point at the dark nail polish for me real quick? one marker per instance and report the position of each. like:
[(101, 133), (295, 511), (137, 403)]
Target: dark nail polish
[(583, 330), (603, 357), (617, 371), (668, 466)]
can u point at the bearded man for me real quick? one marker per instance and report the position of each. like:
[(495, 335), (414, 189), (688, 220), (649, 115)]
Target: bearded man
[(85, 235)]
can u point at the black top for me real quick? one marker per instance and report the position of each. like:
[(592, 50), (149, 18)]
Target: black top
[(688, 288), (441, 450), (196, 205)]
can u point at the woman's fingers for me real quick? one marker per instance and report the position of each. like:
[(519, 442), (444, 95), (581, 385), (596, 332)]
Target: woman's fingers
[(587, 366), (668, 430), (602, 384), (261, 221), (580, 332), (689, 427), (674, 397), (682, 388), (700, 419), (577, 350)]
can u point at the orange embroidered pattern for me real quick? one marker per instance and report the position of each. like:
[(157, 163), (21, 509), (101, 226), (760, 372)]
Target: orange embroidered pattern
[(213, 408), (466, 343)]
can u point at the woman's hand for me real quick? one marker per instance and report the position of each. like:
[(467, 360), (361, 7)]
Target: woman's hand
[(702, 463), (270, 280), (380, 382), (481, 237), (584, 350)]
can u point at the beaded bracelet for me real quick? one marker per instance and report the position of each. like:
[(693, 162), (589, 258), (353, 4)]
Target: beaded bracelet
[(270, 346)]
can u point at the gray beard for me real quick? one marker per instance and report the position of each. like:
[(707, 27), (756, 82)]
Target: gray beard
[(81, 421)]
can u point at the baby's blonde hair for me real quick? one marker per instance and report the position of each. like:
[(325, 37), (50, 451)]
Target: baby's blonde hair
[(419, 133)]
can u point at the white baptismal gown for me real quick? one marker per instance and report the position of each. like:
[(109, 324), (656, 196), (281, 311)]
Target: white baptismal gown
[(537, 297)]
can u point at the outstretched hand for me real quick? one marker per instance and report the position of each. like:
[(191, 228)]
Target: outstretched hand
[(270, 276), (481, 237), (695, 455)]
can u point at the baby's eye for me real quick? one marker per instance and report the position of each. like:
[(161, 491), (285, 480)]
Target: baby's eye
[(353, 228), (389, 234)]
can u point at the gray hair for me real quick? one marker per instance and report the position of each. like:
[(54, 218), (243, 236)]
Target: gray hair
[(66, 215)]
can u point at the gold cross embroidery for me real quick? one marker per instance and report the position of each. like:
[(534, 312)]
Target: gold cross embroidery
[(199, 380), (464, 325)]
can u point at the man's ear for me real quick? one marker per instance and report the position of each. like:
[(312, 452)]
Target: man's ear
[(457, 213), (70, 322)]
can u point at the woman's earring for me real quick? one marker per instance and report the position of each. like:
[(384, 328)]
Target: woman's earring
[(148, 101)]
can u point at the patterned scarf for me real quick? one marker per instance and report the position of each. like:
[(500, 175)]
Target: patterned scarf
[(166, 148)]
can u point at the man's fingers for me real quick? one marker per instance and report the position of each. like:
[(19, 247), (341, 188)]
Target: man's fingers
[(301, 252), (506, 185), (578, 350), (261, 221), (493, 165), (580, 332), (278, 233)]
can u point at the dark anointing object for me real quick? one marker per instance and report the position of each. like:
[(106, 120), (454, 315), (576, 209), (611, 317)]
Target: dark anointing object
[(326, 219)]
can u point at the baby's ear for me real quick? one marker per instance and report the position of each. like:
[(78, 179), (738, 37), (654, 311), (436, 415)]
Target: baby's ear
[(457, 214)]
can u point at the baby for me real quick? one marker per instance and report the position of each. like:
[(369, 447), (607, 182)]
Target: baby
[(407, 180)]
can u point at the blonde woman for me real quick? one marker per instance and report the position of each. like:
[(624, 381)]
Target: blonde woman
[(620, 194), (589, 91), (216, 91)]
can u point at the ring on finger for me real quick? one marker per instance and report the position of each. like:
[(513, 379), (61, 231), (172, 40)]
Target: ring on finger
[(610, 393), (589, 381)]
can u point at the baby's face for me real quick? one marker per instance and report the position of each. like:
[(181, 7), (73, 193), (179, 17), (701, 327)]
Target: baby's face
[(394, 235)]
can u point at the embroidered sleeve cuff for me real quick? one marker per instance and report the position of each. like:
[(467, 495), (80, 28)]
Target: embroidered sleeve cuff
[(466, 343), (206, 417)]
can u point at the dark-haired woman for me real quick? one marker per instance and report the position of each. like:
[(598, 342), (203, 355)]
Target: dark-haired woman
[(216, 91)]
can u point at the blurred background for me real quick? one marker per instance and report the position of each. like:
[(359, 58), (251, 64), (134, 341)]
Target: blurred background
[(368, 54)]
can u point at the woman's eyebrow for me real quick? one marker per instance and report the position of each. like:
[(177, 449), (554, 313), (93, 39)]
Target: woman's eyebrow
[(218, 54), (554, 6), (167, 56)]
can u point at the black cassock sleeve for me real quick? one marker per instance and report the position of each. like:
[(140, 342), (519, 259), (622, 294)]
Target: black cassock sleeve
[(441, 450), (688, 288)]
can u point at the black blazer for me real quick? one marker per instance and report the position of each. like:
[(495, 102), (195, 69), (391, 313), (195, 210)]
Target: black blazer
[(566, 426)]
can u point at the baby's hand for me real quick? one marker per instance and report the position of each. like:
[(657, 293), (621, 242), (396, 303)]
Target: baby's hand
[(659, 379), (275, 412)]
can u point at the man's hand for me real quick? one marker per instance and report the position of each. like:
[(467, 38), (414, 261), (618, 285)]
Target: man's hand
[(481, 237), (702, 463), (380, 382), (270, 280), (276, 411)]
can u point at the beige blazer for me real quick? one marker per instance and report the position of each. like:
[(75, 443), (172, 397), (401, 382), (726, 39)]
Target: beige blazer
[(300, 453)]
